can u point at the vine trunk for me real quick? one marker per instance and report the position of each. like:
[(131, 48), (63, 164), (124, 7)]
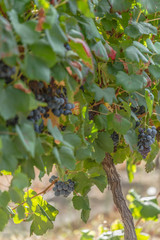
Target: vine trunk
[(118, 198)]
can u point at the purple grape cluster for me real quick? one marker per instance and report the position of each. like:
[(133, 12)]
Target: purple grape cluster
[(115, 138), (138, 110), (36, 118), (60, 106), (62, 188), (56, 101), (146, 138), (6, 72)]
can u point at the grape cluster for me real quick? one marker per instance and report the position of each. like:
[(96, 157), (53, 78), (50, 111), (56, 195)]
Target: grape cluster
[(138, 110), (56, 101), (146, 139), (115, 138), (62, 188), (6, 72)]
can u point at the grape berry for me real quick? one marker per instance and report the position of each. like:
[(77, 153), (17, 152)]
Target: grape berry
[(146, 139)]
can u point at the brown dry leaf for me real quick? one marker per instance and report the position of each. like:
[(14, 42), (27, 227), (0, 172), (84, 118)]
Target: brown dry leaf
[(41, 20), (108, 106), (77, 65), (21, 87), (76, 110), (124, 64)]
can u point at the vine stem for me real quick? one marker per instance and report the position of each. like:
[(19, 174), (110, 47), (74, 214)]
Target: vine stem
[(118, 198), (61, 3), (9, 133), (40, 193)]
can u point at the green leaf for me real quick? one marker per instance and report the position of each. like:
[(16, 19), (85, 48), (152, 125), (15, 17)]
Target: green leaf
[(20, 181), (155, 71), (158, 112), (65, 157), (4, 199), (43, 215), (82, 49), (16, 194), (121, 155), (8, 46), (108, 23), (80, 202), (149, 100), (131, 169), (101, 8), (89, 28), (59, 72), (36, 68), (100, 51), (55, 132), (8, 160), (72, 139), (146, 208), (141, 47), (131, 139), (27, 137), (40, 225), (130, 82), (43, 50), (98, 153), (136, 29), (57, 40), (134, 54), (20, 6), (150, 45), (151, 6), (3, 219), (100, 182), (11, 102), (83, 153), (105, 142), (108, 94), (85, 216), (83, 183), (150, 165), (118, 123), (100, 121), (121, 5), (84, 8), (21, 212), (25, 30)]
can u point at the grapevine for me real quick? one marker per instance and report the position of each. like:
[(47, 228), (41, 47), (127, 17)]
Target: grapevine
[(79, 93)]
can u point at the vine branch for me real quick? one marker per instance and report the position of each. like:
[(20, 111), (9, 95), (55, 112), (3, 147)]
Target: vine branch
[(118, 198)]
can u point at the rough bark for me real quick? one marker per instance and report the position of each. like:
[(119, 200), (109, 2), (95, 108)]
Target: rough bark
[(118, 198)]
